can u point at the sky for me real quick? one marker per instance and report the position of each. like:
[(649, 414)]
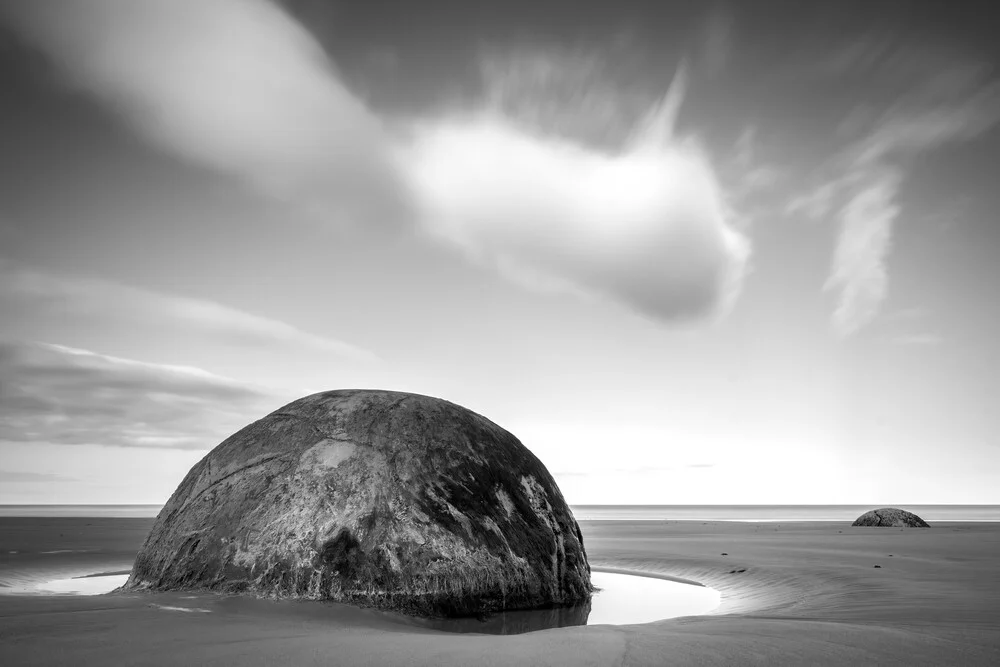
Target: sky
[(687, 252)]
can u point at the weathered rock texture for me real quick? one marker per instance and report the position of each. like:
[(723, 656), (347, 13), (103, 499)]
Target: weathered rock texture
[(890, 517), (379, 498)]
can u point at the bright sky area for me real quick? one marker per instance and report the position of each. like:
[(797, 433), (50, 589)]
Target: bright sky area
[(687, 252)]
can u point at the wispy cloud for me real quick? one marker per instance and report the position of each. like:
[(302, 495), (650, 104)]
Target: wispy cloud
[(859, 272), (908, 327), (27, 477), (241, 87), (912, 314), (62, 395), (951, 102), (632, 471), (29, 294), (568, 93), (619, 470), (923, 339), (752, 174)]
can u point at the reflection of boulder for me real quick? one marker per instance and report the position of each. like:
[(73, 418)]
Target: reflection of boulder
[(517, 622), (378, 498), (890, 517)]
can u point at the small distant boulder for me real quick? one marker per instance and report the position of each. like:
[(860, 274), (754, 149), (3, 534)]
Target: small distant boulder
[(890, 517)]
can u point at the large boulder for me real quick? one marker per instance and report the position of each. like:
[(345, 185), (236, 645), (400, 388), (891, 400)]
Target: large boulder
[(891, 517), (379, 498)]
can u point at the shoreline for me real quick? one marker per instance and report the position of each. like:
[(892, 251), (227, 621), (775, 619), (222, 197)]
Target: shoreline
[(800, 593)]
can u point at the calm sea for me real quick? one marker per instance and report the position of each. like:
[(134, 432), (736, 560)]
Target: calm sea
[(613, 512), (775, 512), (81, 510)]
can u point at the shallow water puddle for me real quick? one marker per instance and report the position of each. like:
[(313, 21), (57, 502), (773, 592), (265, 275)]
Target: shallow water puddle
[(84, 585), (184, 609), (623, 599)]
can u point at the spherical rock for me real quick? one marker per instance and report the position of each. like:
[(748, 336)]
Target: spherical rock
[(379, 498), (891, 517)]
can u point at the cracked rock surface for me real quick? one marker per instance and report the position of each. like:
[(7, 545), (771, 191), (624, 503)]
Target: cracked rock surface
[(890, 517), (379, 498)]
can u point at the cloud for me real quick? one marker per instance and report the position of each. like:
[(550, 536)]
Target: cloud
[(913, 314), (241, 87), (956, 102), (571, 473), (909, 327), (62, 395), (574, 94), (924, 339), (752, 175), (646, 225), (27, 294), (620, 470), (234, 85), (859, 271), (949, 107), (24, 477)]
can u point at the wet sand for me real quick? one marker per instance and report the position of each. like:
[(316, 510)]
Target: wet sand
[(792, 594)]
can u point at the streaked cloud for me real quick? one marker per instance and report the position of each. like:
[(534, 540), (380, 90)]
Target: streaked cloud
[(234, 85), (752, 175), (239, 86), (912, 314), (859, 272), (953, 105), (617, 470), (27, 477), (63, 395), (919, 339), (30, 295), (573, 94), (908, 327), (953, 101)]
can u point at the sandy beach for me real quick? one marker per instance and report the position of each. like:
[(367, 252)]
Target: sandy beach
[(792, 594)]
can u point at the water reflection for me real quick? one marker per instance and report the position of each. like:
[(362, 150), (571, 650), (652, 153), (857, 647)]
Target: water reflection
[(514, 622), (623, 599)]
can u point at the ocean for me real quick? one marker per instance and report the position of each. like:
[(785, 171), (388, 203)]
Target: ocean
[(776, 513), (109, 511), (770, 513)]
